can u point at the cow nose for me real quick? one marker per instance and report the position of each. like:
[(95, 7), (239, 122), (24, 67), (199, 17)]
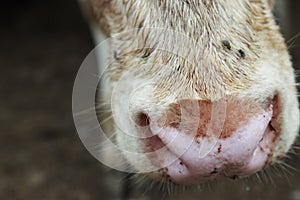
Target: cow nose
[(209, 139)]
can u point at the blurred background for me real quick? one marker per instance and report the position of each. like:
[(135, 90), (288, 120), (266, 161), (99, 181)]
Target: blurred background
[(41, 157)]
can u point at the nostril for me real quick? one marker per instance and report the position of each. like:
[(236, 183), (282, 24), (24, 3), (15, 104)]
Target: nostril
[(142, 119)]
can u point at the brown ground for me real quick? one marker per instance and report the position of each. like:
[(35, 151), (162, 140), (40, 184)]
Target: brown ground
[(41, 157)]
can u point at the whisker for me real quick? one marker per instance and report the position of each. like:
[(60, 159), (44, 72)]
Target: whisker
[(284, 172), (264, 177), (296, 147), (289, 167), (106, 120), (111, 136), (93, 108), (152, 184), (293, 40), (270, 177), (138, 179), (278, 170), (101, 103), (84, 111), (258, 176)]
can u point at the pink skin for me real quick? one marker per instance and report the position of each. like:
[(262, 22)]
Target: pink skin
[(186, 161)]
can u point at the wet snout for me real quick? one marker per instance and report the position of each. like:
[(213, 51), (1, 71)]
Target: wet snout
[(194, 141)]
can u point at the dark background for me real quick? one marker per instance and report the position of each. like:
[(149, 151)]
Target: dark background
[(42, 44)]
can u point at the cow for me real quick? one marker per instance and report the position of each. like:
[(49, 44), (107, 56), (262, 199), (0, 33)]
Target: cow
[(199, 89)]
